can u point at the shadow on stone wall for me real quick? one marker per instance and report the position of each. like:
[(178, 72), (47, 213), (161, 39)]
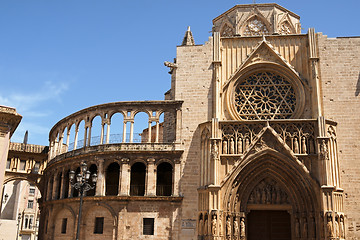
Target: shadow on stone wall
[(357, 91)]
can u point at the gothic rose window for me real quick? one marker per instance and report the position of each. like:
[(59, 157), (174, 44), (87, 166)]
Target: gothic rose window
[(255, 27), (264, 95)]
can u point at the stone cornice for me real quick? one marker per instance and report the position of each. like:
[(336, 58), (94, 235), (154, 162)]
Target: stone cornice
[(9, 119)]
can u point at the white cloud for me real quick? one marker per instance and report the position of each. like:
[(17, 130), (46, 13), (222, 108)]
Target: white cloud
[(31, 106), (28, 104)]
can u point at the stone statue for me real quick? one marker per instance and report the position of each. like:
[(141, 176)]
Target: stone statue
[(206, 227), (311, 146), (336, 228), (242, 228), (239, 146), (304, 228), (297, 228), (232, 146), (342, 228), (225, 147), (213, 225), (303, 145), (278, 195), (263, 196), (258, 196), (200, 227), (312, 229), (215, 150), (268, 194), (228, 227), (329, 227), (220, 224), (296, 146), (247, 143), (236, 227), (273, 195)]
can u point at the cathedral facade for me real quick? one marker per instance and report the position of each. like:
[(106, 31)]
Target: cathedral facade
[(256, 139)]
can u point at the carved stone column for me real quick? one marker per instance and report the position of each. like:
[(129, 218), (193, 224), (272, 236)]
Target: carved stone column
[(149, 131), (125, 177), (76, 136), (62, 180), (177, 173), (131, 130), (151, 177), (100, 182)]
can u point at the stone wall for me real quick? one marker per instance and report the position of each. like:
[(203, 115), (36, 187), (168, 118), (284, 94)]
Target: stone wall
[(193, 86), (340, 83)]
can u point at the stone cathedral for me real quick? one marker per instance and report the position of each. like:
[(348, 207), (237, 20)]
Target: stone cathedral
[(257, 139)]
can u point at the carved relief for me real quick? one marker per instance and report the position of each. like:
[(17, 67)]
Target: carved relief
[(268, 192)]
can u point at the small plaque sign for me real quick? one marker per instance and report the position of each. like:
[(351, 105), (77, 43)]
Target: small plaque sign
[(188, 223)]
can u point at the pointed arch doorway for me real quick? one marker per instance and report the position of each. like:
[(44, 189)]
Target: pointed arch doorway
[(274, 198)]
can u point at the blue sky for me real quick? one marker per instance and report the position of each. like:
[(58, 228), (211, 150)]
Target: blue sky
[(57, 57)]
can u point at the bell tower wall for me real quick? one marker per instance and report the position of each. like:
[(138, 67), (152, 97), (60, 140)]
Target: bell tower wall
[(340, 84)]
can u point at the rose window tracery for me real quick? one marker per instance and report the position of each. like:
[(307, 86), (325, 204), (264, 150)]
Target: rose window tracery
[(265, 95), (255, 27)]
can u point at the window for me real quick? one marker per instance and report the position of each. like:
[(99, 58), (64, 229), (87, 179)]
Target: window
[(99, 225), (22, 165), (63, 225), (31, 190), (37, 167), (265, 95), (8, 163), (148, 226), (164, 179), (31, 222), (137, 179), (30, 204), (26, 222)]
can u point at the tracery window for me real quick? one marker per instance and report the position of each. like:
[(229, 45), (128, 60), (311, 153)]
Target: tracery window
[(255, 27), (285, 28), (264, 95)]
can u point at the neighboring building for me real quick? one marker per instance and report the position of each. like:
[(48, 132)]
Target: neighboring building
[(19, 208), (259, 141)]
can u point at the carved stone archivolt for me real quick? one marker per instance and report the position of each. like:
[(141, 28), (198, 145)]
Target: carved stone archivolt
[(268, 192)]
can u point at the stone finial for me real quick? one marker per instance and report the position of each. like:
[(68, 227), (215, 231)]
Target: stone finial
[(188, 38)]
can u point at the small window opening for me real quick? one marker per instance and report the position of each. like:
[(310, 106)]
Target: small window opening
[(99, 225), (30, 204), (148, 226), (63, 225)]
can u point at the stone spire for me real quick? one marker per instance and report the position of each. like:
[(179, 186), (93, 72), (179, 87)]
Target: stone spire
[(188, 38)]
